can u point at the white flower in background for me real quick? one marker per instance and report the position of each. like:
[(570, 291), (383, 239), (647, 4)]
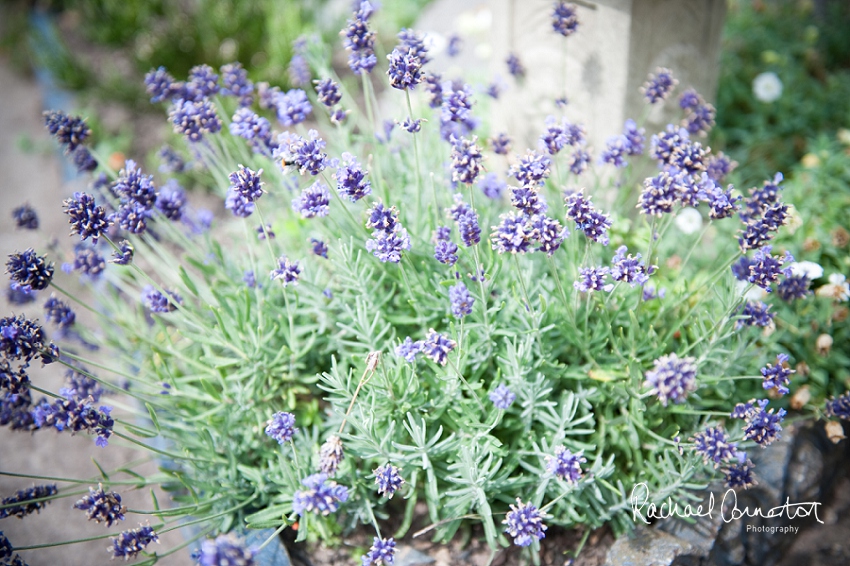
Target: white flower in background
[(755, 293), (434, 42), (689, 220), (810, 269), (767, 87), (837, 288), (474, 22)]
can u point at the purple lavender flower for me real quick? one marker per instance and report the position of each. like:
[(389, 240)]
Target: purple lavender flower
[(434, 88), (235, 82), (70, 131), (171, 200), (762, 197), (689, 157), (719, 166), (245, 188), (723, 204), (133, 185), (409, 349), (59, 313), (28, 269), (249, 279), (635, 138), (81, 386), (194, 119), (700, 120), (319, 248), (755, 313), (405, 69), (513, 234), (256, 129), (281, 427), (456, 111), (579, 161), (158, 302), (202, 83), (382, 218), (741, 268), (132, 542), (287, 271), (338, 116), (360, 41), (533, 168), (101, 506), (666, 142), (659, 85), (466, 160), (411, 126), (714, 445), (500, 143), (779, 376), (388, 246), (20, 338), (437, 346), (299, 70), (313, 201), (25, 217), (616, 150), (388, 480), (445, 252), (321, 496), (524, 522), (502, 397), (690, 99), (293, 107), (492, 186), (86, 218), (839, 407), (461, 300), (84, 160), (627, 268), (549, 233), (593, 279), (413, 42), (454, 46), (351, 179), (382, 553), (161, 86), (24, 498), (327, 92), (515, 66), (17, 294), (740, 475), (565, 18), (793, 287), (763, 426), (15, 382), (765, 268), (556, 135), (566, 465), (225, 550), (73, 415), (467, 222), (690, 189), (87, 261), (528, 200), (6, 549), (305, 153), (672, 378), (124, 254), (171, 161), (593, 223), (659, 194)]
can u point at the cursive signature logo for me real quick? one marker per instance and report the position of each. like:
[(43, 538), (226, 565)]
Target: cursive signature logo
[(644, 510)]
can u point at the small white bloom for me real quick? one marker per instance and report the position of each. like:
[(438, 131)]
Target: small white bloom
[(434, 42), (755, 294), (689, 220), (767, 87), (810, 269), (836, 289)]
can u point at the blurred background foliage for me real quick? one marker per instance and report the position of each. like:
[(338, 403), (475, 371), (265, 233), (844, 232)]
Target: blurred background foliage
[(807, 45)]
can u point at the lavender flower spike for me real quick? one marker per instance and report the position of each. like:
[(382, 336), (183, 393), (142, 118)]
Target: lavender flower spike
[(672, 378)]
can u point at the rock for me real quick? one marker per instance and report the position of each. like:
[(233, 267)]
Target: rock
[(650, 547)]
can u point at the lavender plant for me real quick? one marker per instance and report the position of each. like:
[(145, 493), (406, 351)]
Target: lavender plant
[(371, 316)]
